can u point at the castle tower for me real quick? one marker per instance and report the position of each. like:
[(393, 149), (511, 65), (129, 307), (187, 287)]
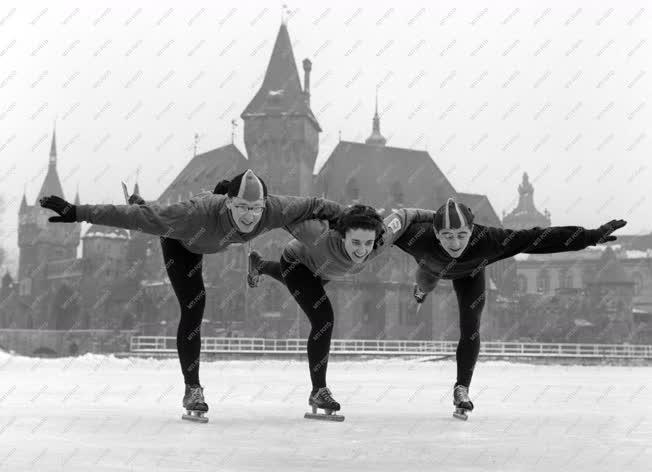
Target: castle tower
[(39, 241), (526, 215), (281, 133), (376, 138)]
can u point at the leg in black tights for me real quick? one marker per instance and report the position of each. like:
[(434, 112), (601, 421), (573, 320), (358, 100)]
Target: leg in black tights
[(271, 268), (470, 292), (185, 272), (308, 290)]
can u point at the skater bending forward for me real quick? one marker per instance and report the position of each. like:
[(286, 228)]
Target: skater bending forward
[(320, 253), (457, 249), (207, 223)]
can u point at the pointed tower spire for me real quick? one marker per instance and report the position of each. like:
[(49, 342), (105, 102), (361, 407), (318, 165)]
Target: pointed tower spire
[(376, 138), (51, 184), (23, 204), (284, 14), (526, 215), (77, 202), (136, 187), (53, 147), (280, 94)]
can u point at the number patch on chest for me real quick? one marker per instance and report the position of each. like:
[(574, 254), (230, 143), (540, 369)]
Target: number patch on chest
[(395, 224)]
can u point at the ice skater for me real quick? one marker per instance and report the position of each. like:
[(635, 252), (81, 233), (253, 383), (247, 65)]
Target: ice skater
[(320, 253), (457, 249), (207, 223)]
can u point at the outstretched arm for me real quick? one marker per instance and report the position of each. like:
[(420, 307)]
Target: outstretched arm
[(397, 222), (289, 210), (309, 232), (181, 220), (548, 240)]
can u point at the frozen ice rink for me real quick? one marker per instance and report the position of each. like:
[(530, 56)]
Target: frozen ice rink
[(101, 413)]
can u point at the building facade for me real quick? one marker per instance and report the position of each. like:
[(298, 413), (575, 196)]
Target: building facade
[(120, 283)]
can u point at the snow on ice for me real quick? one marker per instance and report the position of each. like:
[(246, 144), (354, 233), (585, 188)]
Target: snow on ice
[(103, 413)]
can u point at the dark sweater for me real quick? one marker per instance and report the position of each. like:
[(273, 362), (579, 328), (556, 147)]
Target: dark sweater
[(488, 245), (204, 224)]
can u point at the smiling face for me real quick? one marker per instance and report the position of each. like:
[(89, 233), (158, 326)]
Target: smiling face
[(359, 243), (245, 213), (454, 241)]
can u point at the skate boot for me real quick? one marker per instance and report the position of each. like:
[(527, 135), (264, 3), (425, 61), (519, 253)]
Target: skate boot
[(419, 296), (253, 276), (321, 398), (193, 402), (462, 402)]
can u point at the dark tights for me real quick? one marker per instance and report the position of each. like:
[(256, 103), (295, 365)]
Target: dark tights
[(470, 291), (185, 272), (308, 291)]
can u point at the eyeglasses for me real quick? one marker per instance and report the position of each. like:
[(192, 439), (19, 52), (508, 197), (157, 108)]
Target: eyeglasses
[(256, 210)]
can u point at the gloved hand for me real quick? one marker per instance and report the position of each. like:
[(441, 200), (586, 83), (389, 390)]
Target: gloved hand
[(136, 199), (602, 234), (67, 211), (418, 294)]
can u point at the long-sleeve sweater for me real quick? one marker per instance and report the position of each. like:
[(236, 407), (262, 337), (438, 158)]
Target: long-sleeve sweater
[(321, 249), (487, 245), (204, 224)]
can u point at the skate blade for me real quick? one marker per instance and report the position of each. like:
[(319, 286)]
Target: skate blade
[(196, 416), (323, 416), (460, 414)]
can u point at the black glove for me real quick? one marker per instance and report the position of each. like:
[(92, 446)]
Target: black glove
[(418, 294), (136, 199), (602, 234), (67, 211)]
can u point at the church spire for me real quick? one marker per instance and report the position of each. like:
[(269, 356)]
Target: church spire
[(51, 184), (53, 147), (136, 187), (376, 138), (23, 204)]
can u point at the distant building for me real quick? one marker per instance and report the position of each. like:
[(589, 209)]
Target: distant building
[(526, 215), (120, 280)]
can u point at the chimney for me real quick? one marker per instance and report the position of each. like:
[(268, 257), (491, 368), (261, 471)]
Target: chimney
[(307, 67)]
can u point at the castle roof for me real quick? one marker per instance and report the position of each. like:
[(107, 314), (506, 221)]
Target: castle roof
[(51, 184), (204, 171), (281, 93)]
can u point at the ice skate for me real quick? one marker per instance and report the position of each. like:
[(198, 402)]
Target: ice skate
[(462, 402), (193, 402), (322, 399), (419, 296), (253, 276)]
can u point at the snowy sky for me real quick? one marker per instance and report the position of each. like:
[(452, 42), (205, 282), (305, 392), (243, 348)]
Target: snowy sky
[(558, 89)]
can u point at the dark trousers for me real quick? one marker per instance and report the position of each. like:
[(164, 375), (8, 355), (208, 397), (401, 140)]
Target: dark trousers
[(184, 269), (308, 291), (470, 291)]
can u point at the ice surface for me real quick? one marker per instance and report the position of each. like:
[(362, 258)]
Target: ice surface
[(101, 413)]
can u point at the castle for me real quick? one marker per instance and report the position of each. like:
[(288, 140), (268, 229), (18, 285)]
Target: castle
[(119, 282)]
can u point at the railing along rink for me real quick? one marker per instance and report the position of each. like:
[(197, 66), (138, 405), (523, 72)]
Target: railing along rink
[(167, 344)]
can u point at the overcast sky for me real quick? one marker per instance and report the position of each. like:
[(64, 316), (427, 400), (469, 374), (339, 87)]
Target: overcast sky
[(558, 89)]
